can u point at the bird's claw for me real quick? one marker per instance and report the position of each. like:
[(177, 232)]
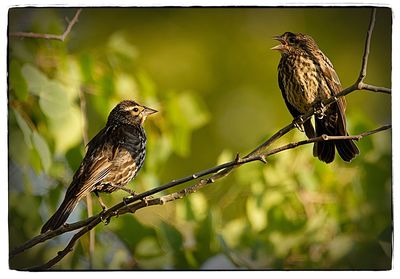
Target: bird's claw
[(105, 220), (146, 200), (126, 199), (298, 123), (319, 110)]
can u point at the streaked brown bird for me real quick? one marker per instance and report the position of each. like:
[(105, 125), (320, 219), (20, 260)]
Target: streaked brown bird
[(114, 156), (306, 77)]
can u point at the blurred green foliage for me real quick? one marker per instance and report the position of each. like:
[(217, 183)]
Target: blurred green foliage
[(210, 73)]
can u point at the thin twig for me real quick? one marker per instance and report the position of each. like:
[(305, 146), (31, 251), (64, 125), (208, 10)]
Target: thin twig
[(61, 37), (363, 71), (325, 138), (69, 247), (373, 88), (49, 235)]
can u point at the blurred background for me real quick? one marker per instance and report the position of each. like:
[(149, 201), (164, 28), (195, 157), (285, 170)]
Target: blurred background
[(211, 74)]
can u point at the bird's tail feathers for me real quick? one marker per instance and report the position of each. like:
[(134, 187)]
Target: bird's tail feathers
[(61, 215)]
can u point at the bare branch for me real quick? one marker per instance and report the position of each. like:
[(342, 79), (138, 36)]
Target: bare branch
[(69, 247), (373, 88), (49, 235), (326, 138), (49, 36), (363, 72)]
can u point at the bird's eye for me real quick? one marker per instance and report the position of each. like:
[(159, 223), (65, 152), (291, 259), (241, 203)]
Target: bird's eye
[(291, 40), (135, 109)]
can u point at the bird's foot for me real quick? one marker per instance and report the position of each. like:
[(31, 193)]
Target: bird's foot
[(129, 191), (146, 200), (126, 200), (298, 123), (103, 218), (319, 110)]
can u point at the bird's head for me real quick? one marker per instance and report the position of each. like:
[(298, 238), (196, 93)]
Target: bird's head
[(291, 42), (129, 112)]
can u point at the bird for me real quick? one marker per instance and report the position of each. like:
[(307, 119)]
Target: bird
[(306, 78), (114, 157)]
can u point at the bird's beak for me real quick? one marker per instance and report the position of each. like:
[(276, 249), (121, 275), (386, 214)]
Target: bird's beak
[(147, 111), (280, 47)]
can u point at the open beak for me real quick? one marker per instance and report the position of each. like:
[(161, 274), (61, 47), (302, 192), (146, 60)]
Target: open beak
[(280, 47), (147, 111)]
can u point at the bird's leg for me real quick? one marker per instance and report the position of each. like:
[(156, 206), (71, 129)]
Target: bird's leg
[(125, 200), (104, 208), (102, 204), (144, 199), (319, 110), (298, 123), (129, 191)]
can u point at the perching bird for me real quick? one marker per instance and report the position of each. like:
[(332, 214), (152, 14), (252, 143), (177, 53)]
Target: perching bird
[(114, 156), (306, 77)]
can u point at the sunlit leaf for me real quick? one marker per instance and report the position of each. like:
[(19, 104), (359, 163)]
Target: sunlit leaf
[(67, 129), (126, 87), (148, 247), (233, 230), (18, 148), (86, 66), (17, 81), (256, 214), (120, 45), (42, 149), (340, 246), (147, 86), (186, 112), (193, 111), (26, 130), (35, 79), (53, 100)]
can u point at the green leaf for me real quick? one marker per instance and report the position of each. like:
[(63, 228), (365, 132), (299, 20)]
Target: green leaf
[(147, 86), (66, 129), (186, 113), (26, 130), (120, 46), (43, 150), (86, 66), (193, 110), (53, 100), (18, 149), (35, 79), (17, 81), (256, 214)]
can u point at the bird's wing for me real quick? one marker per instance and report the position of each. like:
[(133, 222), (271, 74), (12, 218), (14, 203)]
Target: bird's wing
[(332, 79), (96, 165), (333, 82), (96, 172)]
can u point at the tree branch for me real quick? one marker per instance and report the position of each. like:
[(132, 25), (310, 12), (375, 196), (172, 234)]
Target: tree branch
[(363, 72), (61, 37), (124, 207)]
